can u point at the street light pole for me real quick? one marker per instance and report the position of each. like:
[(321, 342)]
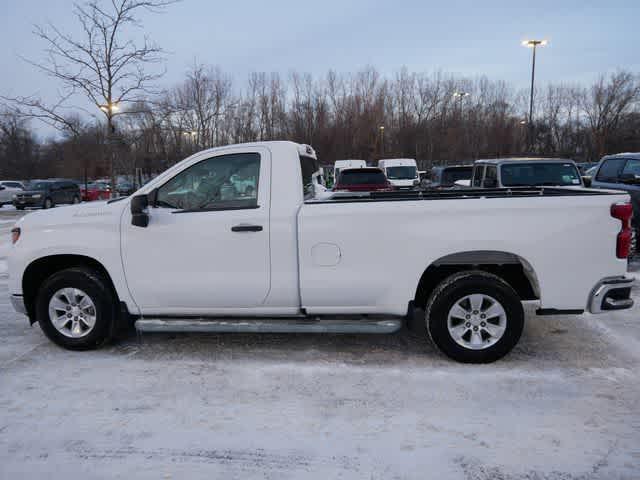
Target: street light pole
[(532, 44), (109, 109), (381, 141), (461, 96)]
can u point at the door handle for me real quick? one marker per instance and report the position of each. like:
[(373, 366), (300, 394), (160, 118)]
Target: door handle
[(246, 228)]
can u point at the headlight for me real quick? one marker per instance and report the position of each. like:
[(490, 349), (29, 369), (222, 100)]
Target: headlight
[(37, 195)]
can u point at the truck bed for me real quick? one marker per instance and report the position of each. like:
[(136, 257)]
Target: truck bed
[(466, 193)]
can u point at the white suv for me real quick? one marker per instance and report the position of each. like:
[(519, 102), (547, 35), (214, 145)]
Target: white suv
[(8, 188)]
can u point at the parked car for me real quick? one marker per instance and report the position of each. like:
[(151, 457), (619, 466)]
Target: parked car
[(401, 172), (124, 189), (368, 179), (286, 261), (584, 166), (447, 176), (8, 188), (47, 194), (621, 172), (342, 164), (95, 191), (587, 176), (525, 172)]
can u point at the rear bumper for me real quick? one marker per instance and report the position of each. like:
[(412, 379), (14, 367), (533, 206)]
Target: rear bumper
[(17, 301), (611, 293)]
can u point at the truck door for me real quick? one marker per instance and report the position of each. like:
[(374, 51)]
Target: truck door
[(206, 247)]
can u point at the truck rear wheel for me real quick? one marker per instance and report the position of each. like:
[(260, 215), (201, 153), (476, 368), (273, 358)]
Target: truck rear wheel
[(76, 309), (474, 317)]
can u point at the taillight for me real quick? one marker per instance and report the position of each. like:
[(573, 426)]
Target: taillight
[(623, 212), (15, 234)]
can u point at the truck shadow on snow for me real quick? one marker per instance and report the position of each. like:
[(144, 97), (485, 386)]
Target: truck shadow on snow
[(558, 341)]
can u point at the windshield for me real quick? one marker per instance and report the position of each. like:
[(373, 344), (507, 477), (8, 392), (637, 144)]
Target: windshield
[(402, 173), (539, 173), (452, 175), (362, 177), (38, 185)]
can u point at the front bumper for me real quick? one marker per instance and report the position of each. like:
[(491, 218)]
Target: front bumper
[(17, 301), (611, 293), (28, 202)]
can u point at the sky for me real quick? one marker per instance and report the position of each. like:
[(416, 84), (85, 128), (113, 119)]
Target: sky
[(471, 38)]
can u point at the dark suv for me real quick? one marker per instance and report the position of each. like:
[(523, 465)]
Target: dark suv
[(47, 194), (621, 172), (446, 177)]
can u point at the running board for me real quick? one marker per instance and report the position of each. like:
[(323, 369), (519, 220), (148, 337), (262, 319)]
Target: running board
[(281, 325)]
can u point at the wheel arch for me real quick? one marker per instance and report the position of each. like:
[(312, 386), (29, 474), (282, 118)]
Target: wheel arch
[(512, 268), (42, 268)]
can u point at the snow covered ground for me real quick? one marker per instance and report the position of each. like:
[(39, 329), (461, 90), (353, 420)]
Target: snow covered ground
[(563, 405)]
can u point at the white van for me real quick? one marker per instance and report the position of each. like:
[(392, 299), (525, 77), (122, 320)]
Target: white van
[(342, 164), (401, 172)]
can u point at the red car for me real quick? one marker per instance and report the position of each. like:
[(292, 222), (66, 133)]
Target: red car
[(95, 191), (368, 179)]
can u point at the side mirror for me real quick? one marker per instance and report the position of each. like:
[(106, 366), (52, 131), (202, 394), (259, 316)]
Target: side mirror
[(586, 180), (139, 214)]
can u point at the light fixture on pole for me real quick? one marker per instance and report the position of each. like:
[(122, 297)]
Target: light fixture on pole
[(533, 44), (381, 128), (461, 96)]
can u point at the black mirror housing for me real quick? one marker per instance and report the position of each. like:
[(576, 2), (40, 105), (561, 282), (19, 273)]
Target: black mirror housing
[(139, 215), (630, 179)]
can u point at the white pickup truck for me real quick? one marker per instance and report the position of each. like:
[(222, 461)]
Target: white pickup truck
[(191, 252)]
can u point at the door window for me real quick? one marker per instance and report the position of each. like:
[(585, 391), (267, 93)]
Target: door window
[(490, 177), (224, 182), (610, 170), (632, 167), (477, 175)]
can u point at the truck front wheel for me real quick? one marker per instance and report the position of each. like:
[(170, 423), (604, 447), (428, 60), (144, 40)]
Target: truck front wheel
[(474, 317), (76, 309)]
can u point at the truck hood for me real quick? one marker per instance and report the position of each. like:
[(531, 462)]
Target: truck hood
[(88, 213)]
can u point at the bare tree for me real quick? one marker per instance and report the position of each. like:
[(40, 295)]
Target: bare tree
[(102, 64), (608, 100)]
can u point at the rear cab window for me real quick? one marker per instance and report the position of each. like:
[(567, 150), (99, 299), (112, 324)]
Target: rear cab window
[(308, 166), (540, 173), (372, 176)]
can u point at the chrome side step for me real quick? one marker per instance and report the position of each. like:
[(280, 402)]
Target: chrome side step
[(280, 325)]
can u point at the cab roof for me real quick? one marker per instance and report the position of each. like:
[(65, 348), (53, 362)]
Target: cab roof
[(500, 161)]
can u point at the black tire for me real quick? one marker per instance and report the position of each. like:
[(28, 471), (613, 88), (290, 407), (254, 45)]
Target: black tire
[(48, 203), (454, 288), (97, 288)]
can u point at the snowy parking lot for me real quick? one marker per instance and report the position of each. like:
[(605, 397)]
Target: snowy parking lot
[(563, 405)]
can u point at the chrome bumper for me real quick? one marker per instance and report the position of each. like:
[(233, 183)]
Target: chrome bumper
[(612, 293), (18, 304)]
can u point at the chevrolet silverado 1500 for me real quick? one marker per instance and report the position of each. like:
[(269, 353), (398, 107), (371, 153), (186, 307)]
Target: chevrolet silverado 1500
[(190, 251)]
